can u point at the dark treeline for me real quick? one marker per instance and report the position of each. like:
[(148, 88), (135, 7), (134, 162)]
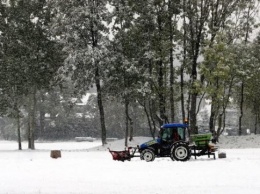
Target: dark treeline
[(149, 62)]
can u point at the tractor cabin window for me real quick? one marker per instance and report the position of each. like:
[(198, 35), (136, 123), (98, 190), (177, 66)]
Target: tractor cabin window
[(172, 134)]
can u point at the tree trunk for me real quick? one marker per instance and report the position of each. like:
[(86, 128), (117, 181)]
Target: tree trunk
[(161, 95), (29, 133), (193, 119), (193, 97), (224, 123), (131, 131), (17, 116), (242, 84), (241, 108), (19, 131), (182, 95), (198, 12), (151, 103), (100, 107), (188, 107), (31, 114), (214, 108), (183, 65), (219, 125), (42, 116), (94, 41), (171, 67), (126, 121), (212, 116), (171, 88)]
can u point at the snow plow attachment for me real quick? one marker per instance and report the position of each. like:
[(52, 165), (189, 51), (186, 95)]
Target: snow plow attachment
[(126, 154)]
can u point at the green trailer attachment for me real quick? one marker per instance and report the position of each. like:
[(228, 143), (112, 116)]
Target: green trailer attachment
[(201, 145), (201, 139)]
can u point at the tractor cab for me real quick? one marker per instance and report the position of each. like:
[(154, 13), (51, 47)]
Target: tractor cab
[(173, 132)]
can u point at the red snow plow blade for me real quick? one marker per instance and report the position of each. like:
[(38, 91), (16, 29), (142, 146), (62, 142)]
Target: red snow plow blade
[(123, 155)]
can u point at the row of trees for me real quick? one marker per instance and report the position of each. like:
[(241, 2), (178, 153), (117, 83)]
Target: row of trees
[(29, 59), (158, 57)]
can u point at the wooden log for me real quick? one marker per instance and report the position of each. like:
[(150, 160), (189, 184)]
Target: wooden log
[(55, 154)]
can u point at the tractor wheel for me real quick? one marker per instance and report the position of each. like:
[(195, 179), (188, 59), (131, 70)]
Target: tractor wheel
[(180, 152), (147, 155)]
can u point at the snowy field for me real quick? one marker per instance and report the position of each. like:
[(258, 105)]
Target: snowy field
[(86, 168)]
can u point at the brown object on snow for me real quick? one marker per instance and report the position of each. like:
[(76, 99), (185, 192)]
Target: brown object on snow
[(55, 154)]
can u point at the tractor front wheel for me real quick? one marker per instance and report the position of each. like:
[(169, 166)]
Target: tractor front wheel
[(147, 155), (180, 152)]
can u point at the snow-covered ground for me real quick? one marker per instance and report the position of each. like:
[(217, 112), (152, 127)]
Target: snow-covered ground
[(87, 167)]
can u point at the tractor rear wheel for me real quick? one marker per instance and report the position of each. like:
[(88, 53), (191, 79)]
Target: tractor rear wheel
[(147, 155), (180, 152)]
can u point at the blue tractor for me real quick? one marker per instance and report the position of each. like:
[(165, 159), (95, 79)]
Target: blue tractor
[(173, 142)]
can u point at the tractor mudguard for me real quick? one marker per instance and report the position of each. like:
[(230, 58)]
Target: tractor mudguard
[(179, 142)]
